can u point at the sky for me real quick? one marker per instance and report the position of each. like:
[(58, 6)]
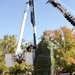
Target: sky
[(47, 18)]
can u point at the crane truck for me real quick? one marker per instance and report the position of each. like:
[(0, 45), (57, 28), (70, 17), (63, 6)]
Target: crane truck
[(18, 54)]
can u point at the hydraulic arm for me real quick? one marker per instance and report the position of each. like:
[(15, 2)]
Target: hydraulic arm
[(22, 29), (64, 11)]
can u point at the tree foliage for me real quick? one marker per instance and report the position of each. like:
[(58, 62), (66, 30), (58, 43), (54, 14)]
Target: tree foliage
[(63, 40), (8, 45)]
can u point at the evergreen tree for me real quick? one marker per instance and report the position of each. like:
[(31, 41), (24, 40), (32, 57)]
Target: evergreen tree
[(42, 64)]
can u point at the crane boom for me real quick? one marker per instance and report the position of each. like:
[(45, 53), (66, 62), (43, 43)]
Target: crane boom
[(64, 11), (22, 29), (32, 12)]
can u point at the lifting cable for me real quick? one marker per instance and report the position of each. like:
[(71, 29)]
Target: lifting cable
[(67, 7)]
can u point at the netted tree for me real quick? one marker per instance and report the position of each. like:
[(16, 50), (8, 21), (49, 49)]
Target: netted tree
[(43, 61)]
